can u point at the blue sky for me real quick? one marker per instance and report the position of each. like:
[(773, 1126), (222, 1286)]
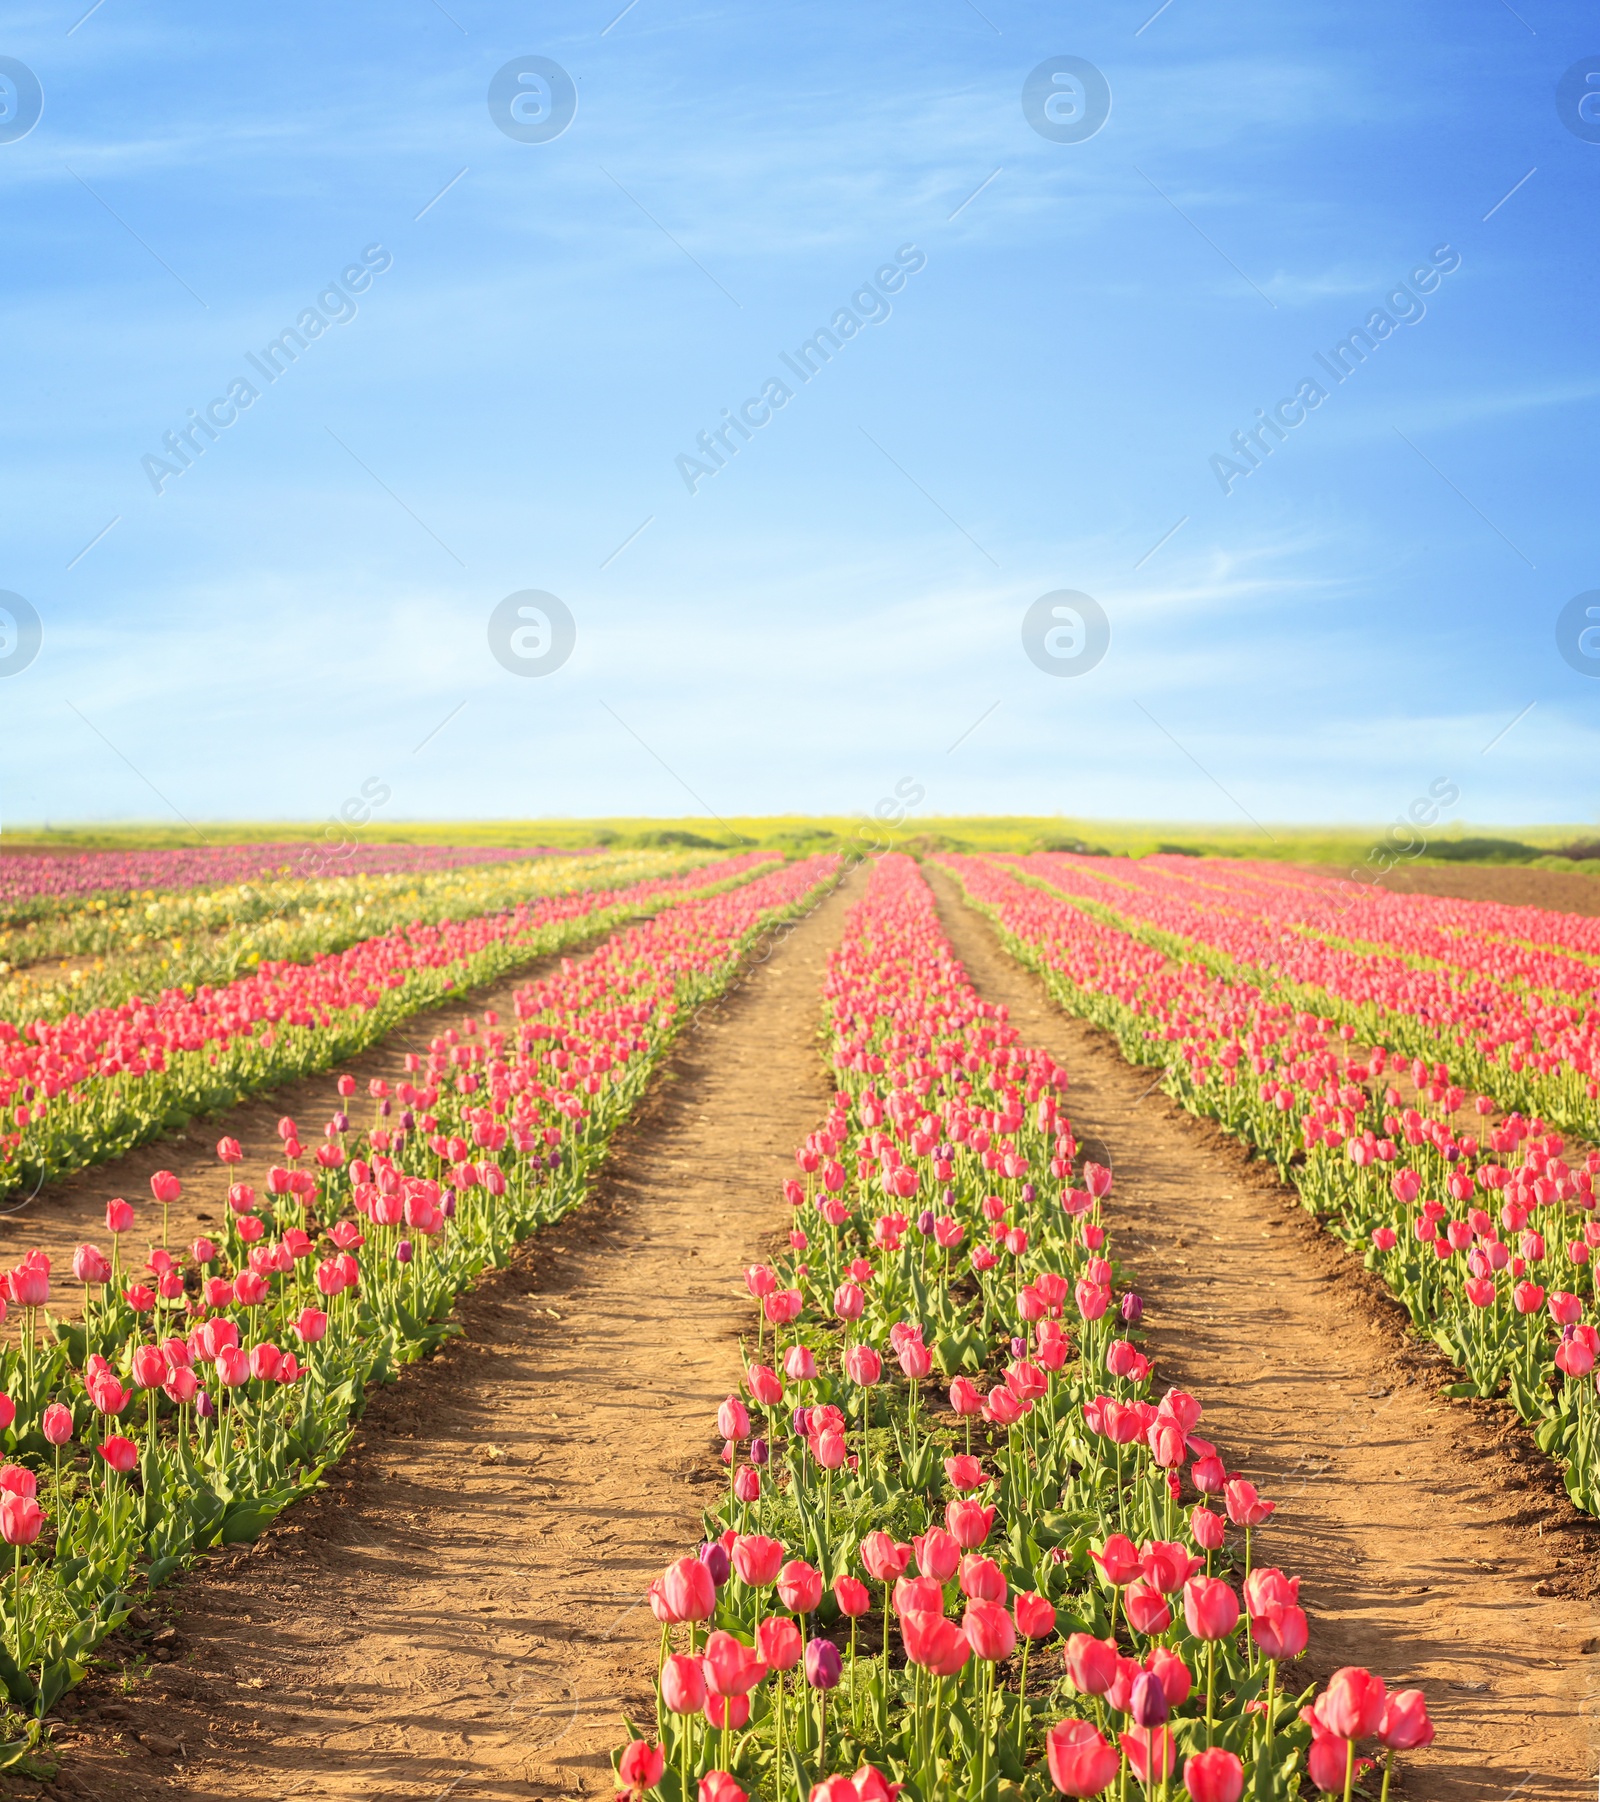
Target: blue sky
[(1033, 409)]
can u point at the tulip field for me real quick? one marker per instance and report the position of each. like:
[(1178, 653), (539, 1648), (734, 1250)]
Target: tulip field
[(963, 1549), (85, 1085), (963, 1543), (208, 1385), (1424, 1070)]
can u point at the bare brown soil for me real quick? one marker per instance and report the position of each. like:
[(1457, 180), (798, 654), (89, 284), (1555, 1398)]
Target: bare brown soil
[(1567, 891), (462, 1612), (1435, 1541)]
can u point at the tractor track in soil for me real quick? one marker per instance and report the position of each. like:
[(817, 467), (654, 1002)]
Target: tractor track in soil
[(461, 1613), (1436, 1543)]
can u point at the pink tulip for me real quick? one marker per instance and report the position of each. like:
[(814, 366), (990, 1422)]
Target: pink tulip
[(688, 1590), (756, 1560), (883, 1558), (683, 1684), (90, 1266), (799, 1586), (778, 1642), (1091, 1664), (1081, 1763), (121, 1454), (989, 1631), (21, 1519), (1210, 1607), (731, 1667), (938, 1554), (969, 1522), (1214, 1776), (640, 1767), (1405, 1725), (1352, 1705), (852, 1595)]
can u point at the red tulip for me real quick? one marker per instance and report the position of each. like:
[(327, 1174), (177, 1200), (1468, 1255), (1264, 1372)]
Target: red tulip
[(1327, 1761), (964, 1397), (1280, 1629), (15, 1479), (1146, 1608), (90, 1265), (165, 1187), (56, 1424), (1118, 1560), (982, 1580), (1167, 1565), (1206, 1527), (30, 1282), (964, 1472), (756, 1560), (1268, 1584), (718, 1786), (918, 1595), (1151, 1753), (938, 1554), (1176, 1681), (1245, 1507)]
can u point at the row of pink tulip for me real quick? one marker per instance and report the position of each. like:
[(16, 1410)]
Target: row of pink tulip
[(1441, 980), (1487, 1232), (246, 1355), (31, 881), (963, 1550), (83, 1088)]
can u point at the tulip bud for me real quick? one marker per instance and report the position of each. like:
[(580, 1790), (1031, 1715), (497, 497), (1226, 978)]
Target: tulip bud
[(1147, 1705), (823, 1664)]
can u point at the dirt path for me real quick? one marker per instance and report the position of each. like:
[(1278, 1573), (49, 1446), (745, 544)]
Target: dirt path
[(65, 1213), (1430, 1534), (462, 1614)]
